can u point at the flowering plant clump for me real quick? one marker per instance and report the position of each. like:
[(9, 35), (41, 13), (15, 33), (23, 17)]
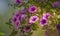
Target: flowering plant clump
[(35, 14)]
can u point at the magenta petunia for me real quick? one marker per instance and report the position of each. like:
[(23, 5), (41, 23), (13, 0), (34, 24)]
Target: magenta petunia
[(18, 17), (33, 19), (18, 2), (43, 21), (15, 20), (55, 4), (15, 16), (17, 24), (46, 15), (23, 16), (32, 9), (58, 27)]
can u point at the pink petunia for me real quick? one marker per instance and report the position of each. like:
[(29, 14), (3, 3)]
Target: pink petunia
[(55, 4), (17, 24), (18, 2), (33, 19), (46, 15), (15, 16), (33, 9), (43, 21), (15, 20)]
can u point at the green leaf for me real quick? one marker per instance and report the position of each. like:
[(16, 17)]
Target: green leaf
[(23, 22), (14, 32), (34, 27), (58, 20), (31, 33)]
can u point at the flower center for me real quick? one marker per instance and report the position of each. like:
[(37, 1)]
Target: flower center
[(17, 15), (27, 27), (43, 21), (33, 9), (18, 1), (34, 19)]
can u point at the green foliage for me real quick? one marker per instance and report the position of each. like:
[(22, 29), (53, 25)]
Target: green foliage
[(34, 27), (14, 32), (1, 34)]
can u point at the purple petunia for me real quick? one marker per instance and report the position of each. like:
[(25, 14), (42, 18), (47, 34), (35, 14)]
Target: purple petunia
[(18, 2), (43, 0), (23, 16), (46, 15), (43, 21), (55, 4), (58, 26), (15, 20), (17, 24), (32, 9), (33, 19), (18, 17)]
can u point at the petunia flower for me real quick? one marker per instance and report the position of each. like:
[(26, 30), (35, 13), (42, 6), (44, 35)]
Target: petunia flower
[(18, 2), (23, 11), (55, 4), (17, 24), (23, 16), (17, 17), (33, 19), (46, 15), (43, 21), (15, 20), (58, 26), (33, 9)]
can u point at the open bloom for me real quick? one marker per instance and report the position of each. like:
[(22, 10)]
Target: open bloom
[(18, 17), (43, 21), (46, 15), (33, 9), (15, 20), (18, 2), (17, 24), (33, 19), (55, 4)]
